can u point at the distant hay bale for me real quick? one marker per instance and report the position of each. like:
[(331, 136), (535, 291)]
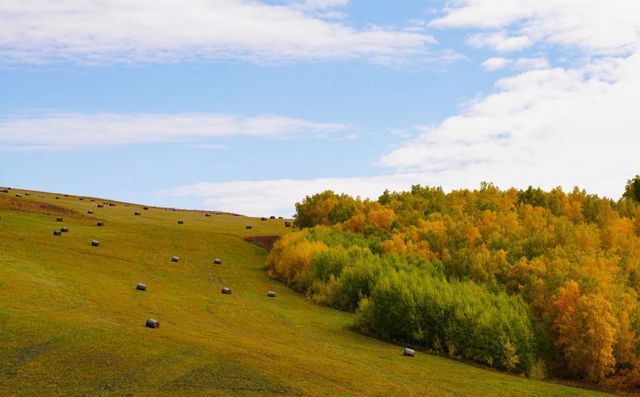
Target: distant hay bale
[(59, 219), (41, 196), (248, 227), (408, 352), (280, 217), (90, 212), (27, 194), (126, 205), (145, 208), (226, 291), (151, 323), (272, 217), (18, 195), (217, 261), (66, 195), (57, 198), (95, 243), (263, 219), (141, 287), (93, 200), (207, 215), (64, 229), (287, 224), (81, 198), (57, 233), (136, 213), (4, 191), (100, 223), (180, 222), (112, 205), (100, 205), (175, 259), (271, 294)]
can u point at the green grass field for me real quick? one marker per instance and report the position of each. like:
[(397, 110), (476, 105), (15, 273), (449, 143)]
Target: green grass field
[(72, 322)]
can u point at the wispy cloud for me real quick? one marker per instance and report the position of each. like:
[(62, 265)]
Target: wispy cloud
[(68, 130), (124, 31)]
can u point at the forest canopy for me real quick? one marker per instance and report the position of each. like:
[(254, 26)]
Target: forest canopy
[(526, 281)]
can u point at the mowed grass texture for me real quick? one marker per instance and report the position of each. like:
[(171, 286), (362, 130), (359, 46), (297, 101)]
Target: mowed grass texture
[(72, 322)]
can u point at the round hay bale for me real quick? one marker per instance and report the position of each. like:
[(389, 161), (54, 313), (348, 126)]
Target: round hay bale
[(95, 243), (217, 261), (287, 224), (136, 213), (146, 208), (100, 205), (272, 217), (175, 259), (81, 198), (41, 196), (57, 233), (207, 215), (18, 195), (141, 287), (112, 205), (248, 227), (64, 229), (151, 323), (27, 194), (280, 217), (100, 223), (408, 352), (57, 198), (66, 195), (180, 222), (271, 294), (263, 219), (226, 291), (90, 212), (59, 219)]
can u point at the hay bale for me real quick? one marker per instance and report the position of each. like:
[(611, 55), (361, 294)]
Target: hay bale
[(175, 259), (136, 213), (57, 198), (90, 212), (272, 217), (263, 219), (408, 352), (95, 243), (27, 194), (57, 233), (4, 191), (217, 261), (18, 195), (81, 198), (226, 291), (287, 224), (180, 222), (248, 227), (151, 323), (145, 208), (59, 219), (100, 205), (141, 287), (280, 217), (41, 196), (207, 215), (112, 205), (66, 195), (100, 223), (64, 229), (271, 294)]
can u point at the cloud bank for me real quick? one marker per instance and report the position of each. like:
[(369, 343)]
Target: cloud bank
[(124, 31)]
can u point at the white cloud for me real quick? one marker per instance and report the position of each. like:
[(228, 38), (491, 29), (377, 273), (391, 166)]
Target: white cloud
[(496, 63), (595, 27), (277, 197), (178, 30), (543, 127), (499, 41), (66, 130)]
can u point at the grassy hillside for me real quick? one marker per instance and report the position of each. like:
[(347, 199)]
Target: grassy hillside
[(72, 322)]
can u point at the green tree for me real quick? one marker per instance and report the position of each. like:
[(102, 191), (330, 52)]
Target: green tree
[(632, 190)]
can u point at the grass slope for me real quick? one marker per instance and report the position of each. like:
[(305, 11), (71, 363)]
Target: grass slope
[(72, 323)]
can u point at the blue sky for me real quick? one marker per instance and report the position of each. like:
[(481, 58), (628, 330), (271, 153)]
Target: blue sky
[(248, 106)]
